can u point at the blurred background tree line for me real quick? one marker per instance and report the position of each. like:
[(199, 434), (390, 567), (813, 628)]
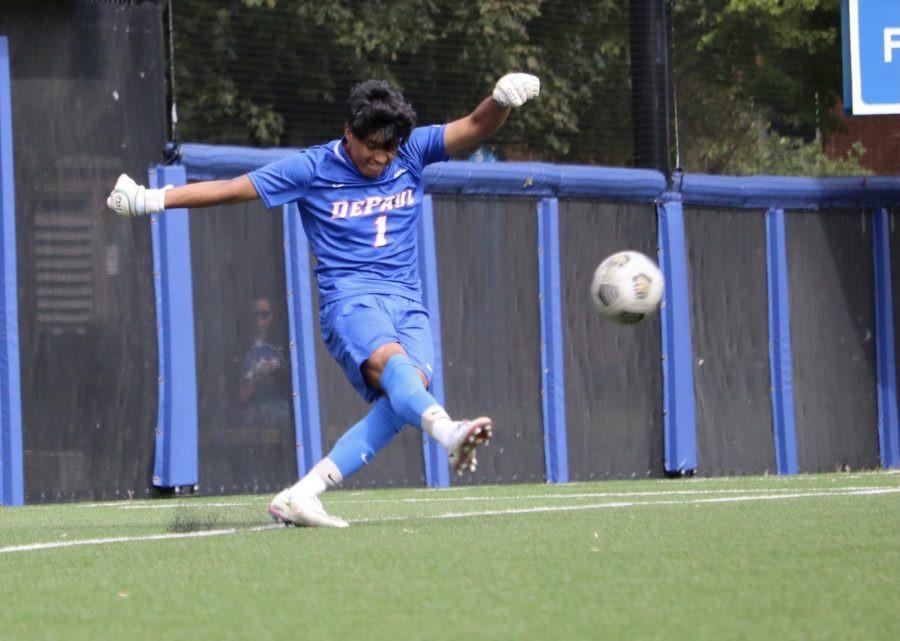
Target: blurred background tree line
[(753, 83)]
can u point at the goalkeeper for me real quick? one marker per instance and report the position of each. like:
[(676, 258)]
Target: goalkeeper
[(359, 199)]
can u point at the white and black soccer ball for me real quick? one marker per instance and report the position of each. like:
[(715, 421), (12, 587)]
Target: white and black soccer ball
[(627, 286)]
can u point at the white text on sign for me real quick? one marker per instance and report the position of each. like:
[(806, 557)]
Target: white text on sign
[(891, 42)]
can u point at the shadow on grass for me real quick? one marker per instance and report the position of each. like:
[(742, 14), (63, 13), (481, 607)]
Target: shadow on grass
[(193, 520)]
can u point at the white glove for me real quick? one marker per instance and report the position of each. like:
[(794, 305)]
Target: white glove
[(514, 89), (130, 199)]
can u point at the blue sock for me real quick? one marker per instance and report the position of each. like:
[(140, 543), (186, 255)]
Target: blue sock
[(359, 445), (403, 384)]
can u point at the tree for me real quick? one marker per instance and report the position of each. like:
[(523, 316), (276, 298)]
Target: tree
[(754, 80), (264, 72)]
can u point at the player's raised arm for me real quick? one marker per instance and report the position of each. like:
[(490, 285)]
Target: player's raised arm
[(512, 90), (130, 199)]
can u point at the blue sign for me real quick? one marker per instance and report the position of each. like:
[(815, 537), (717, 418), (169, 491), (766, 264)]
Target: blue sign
[(872, 56)]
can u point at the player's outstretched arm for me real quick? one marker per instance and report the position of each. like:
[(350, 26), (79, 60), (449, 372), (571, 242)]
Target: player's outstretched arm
[(512, 90), (130, 199)]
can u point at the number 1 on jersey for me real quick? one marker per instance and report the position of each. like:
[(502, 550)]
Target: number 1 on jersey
[(380, 231)]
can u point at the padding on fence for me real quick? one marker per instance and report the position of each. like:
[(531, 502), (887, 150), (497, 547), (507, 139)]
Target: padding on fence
[(773, 351)]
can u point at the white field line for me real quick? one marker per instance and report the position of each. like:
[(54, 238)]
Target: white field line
[(356, 498), (31, 547), (621, 504), (545, 509), (164, 504), (176, 505), (599, 495), (788, 480)]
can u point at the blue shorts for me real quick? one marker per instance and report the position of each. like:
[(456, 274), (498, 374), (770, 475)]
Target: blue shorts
[(353, 328)]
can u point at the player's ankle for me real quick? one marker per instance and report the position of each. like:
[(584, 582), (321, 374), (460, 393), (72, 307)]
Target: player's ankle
[(324, 475), (438, 424)]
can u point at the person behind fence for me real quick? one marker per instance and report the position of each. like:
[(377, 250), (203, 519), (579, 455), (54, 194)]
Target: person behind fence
[(265, 386), (359, 199)]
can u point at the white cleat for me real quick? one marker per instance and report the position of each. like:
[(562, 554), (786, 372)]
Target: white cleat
[(470, 434), (305, 512)]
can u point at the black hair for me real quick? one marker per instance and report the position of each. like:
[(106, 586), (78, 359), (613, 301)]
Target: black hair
[(374, 106)]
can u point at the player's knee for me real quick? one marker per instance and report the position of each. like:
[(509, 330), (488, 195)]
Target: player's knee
[(373, 367)]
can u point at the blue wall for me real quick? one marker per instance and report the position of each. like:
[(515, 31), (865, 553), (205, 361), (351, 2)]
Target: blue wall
[(571, 414), (546, 185)]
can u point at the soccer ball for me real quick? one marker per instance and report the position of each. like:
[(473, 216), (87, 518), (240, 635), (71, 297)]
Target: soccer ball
[(627, 286)]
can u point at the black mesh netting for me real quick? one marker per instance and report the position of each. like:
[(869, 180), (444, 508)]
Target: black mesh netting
[(741, 88), (831, 280), (490, 329), (613, 372), (245, 411), (730, 333), (87, 324)]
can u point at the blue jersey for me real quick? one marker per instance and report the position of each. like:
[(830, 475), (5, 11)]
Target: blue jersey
[(362, 231)]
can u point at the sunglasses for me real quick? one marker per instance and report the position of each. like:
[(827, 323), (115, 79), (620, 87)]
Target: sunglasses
[(263, 314)]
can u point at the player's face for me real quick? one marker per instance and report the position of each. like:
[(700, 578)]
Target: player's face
[(262, 313), (369, 154)]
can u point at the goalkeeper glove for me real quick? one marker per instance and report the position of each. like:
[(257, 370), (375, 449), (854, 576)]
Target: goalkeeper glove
[(130, 199), (514, 89)]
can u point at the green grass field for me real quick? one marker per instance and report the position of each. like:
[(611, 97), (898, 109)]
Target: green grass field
[(805, 557)]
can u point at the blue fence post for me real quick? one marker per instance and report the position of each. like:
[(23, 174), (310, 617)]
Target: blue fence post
[(553, 392), (176, 455), (780, 360), (12, 484), (437, 468), (679, 412), (888, 423), (304, 377)]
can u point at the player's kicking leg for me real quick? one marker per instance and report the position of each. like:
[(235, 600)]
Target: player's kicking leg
[(402, 381)]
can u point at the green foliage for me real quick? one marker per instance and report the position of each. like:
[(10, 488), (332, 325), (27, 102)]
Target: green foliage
[(269, 72), (748, 146), (725, 134), (754, 80)]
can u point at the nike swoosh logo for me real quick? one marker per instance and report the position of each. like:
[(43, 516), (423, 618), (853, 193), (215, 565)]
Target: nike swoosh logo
[(399, 173), (337, 185)]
